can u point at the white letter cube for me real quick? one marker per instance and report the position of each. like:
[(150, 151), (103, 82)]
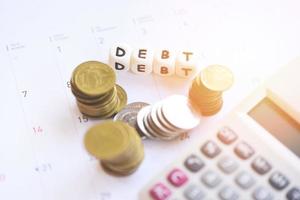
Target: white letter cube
[(164, 62), (141, 61), (186, 64), (119, 57)]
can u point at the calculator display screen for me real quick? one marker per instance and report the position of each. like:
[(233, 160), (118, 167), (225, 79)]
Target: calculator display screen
[(278, 123)]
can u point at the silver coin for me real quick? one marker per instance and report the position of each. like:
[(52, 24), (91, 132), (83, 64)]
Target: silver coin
[(151, 132), (129, 115), (137, 105), (179, 113), (141, 133), (157, 132), (130, 110), (140, 121), (162, 119), (157, 123)]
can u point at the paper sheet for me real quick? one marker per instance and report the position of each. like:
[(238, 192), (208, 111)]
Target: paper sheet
[(41, 149)]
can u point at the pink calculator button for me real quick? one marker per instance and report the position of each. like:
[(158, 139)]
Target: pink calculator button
[(177, 178), (160, 192)]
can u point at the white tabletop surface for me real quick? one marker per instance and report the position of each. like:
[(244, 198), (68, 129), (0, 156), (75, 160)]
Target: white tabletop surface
[(41, 150)]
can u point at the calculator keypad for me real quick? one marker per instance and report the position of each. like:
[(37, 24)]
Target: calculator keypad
[(194, 163), (227, 135), (293, 194), (279, 181), (244, 180), (262, 193), (261, 165), (244, 150), (211, 179), (160, 192), (193, 192), (226, 164), (177, 177), (210, 149), (228, 193)]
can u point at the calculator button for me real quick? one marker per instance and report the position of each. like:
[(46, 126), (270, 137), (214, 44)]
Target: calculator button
[(278, 181), (211, 179), (160, 192), (244, 180), (261, 165), (227, 135), (177, 178), (210, 149), (193, 163), (244, 150), (193, 192), (262, 193), (228, 193), (227, 164), (293, 194)]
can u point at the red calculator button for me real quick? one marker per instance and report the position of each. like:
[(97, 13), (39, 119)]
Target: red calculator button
[(160, 192), (177, 178)]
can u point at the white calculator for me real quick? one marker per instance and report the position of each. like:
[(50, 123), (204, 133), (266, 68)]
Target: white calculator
[(253, 154)]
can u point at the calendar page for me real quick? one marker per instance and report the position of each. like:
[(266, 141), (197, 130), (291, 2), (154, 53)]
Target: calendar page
[(42, 155)]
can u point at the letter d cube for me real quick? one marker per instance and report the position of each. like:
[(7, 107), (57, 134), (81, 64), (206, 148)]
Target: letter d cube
[(119, 57)]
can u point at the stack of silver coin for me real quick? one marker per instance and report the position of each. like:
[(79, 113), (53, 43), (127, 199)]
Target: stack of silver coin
[(129, 115), (167, 119)]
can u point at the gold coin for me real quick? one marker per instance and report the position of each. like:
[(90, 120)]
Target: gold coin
[(93, 78), (106, 103), (122, 95), (130, 154), (216, 77), (98, 100), (107, 141), (125, 169), (211, 107), (197, 95), (98, 112), (103, 109), (128, 166), (130, 159), (115, 172), (198, 85), (205, 100), (213, 110), (110, 113)]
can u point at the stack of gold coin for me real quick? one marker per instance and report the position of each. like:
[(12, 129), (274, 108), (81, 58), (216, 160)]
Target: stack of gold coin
[(94, 85), (206, 90), (117, 145)]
